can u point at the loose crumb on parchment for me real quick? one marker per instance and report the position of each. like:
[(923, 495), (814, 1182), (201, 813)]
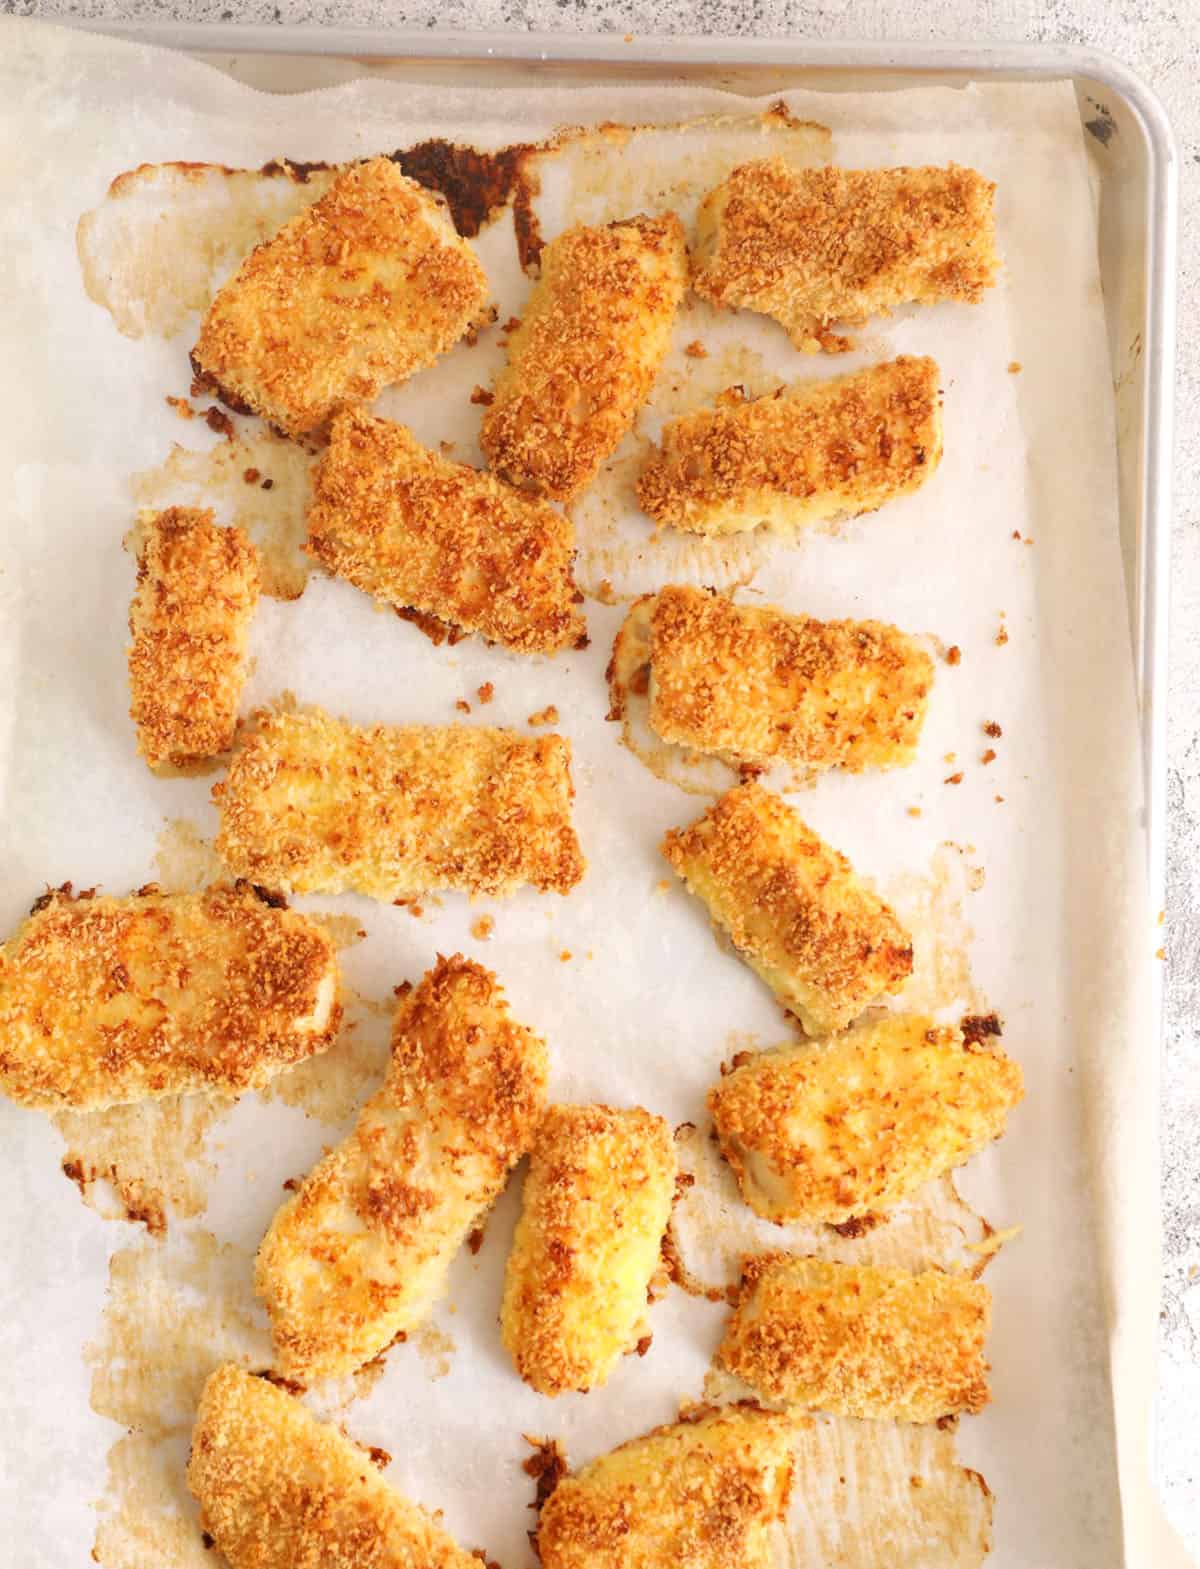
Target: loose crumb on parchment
[(544, 716)]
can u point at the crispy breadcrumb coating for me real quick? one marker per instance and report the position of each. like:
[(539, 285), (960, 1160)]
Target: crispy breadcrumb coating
[(359, 1254), (357, 292), (418, 531), (815, 247), (197, 586), (279, 1490), (793, 907), (705, 1493), (817, 449), (859, 1341), (596, 1202), (314, 804), (757, 686), (105, 1001), (849, 1127), (583, 360)]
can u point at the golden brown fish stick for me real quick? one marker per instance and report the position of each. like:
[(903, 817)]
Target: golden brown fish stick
[(757, 686), (359, 1254), (706, 1493), (197, 586), (314, 804), (596, 1203), (416, 531), (582, 362), (859, 1341), (279, 1490), (817, 449), (848, 1127), (815, 247), (793, 907), (105, 1001), (357, 292)]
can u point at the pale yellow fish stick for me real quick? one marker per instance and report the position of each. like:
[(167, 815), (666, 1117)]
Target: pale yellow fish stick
[(706, 1493), (859, 1341), (595, 331), (106, 1001), (197, 586), (359, 1254), (756, 686), (596, 1203), (815, 450), (794, 909), (847, 1128), (279, 1490), (357, 292), (316, 805), (417, 531), (817, 247)]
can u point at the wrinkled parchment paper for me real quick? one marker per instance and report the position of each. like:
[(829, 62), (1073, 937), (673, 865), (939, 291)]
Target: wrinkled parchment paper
[(1022, 882)]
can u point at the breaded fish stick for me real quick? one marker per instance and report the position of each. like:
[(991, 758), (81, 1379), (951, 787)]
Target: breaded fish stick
[(596, 1203), (359, 1254), (279, 1490), (417, 531), (793, 907), (705, 1493), (815, 247), (756, 686), (197, 586), (105, 1001), (313, 804), (849, 1127), (859, 1341), (582, 362), (357, 292), (817, 449)]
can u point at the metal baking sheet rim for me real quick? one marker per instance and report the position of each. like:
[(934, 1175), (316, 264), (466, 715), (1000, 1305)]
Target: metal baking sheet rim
[(1151, 436)]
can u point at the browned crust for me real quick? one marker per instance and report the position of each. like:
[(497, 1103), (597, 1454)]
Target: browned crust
[(417, 531), (105, 1001), (819, 449), (279, 1490), (793, 907), (314, 804), (815, 247), (357, 292), (583, 360), (197, 588), (758, 686), (860, 1341)]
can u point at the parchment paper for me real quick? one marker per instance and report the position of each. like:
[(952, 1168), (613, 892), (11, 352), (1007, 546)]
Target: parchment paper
[(1010, 554)]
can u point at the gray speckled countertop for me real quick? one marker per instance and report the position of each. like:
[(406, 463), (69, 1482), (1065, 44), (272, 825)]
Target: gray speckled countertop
[(1161, 41)]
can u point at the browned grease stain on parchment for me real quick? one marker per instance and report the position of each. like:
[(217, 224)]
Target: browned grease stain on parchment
[(173, 1314), (334, 1085), (711, 1227), (932, 907), (274, 517), (184, 861)]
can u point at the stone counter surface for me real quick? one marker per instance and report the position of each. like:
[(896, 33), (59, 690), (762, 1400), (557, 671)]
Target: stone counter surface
[(1162, 42)]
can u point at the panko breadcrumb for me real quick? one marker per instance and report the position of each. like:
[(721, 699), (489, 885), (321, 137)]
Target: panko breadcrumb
[(582, 362), (705, 1493), (596, 1202), (279, 1490), (817, 247), (793, 907), (757, 686), (359, 1254), (859, 1341), (815, 450), (104, 1001), (314, 804), (416, 530), (197, 586), (847, 1128), (364, 287)]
